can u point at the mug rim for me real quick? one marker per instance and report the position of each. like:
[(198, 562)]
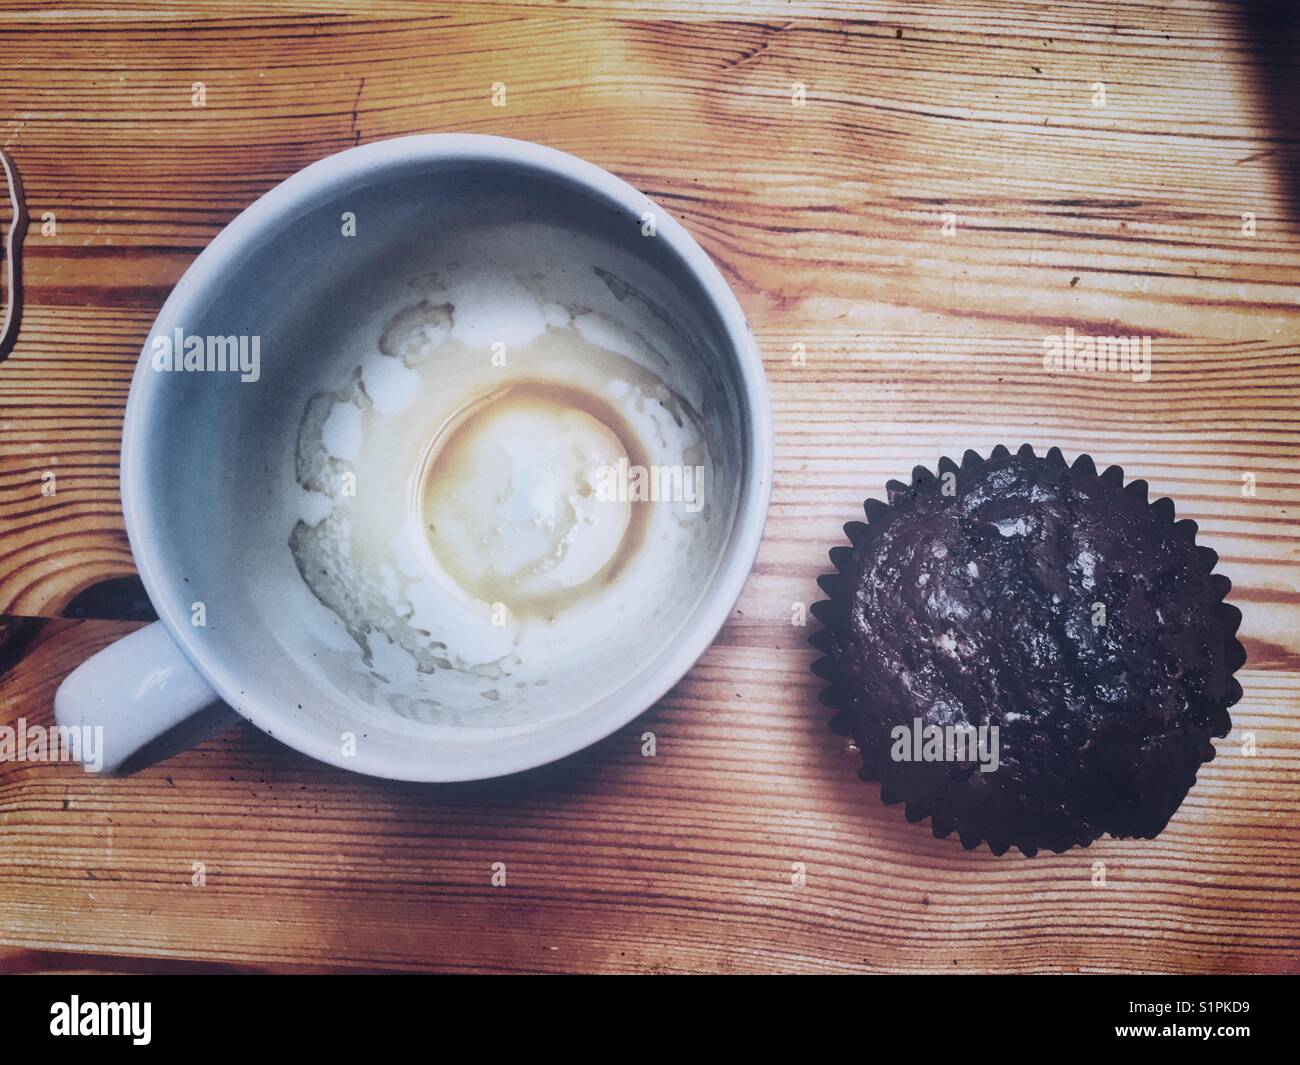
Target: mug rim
[(697, 632)]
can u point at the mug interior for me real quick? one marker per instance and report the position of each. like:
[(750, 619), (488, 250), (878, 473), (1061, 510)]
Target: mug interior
[(210, 461)]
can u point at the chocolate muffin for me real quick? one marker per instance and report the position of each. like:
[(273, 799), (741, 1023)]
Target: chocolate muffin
[(1051, 611)]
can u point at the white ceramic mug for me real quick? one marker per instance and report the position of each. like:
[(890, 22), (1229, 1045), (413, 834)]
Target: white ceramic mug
[(202, 460)]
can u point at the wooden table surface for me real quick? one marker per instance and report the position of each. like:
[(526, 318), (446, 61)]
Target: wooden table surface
[(951, 190)]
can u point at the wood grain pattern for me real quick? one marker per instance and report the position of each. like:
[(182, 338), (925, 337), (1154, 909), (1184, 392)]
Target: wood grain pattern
[(619, 862), (828, 219)]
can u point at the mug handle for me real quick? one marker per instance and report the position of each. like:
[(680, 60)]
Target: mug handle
[(148, 699)]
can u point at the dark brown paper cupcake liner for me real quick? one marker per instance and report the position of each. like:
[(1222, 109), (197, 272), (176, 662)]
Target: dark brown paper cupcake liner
[(839, 694)]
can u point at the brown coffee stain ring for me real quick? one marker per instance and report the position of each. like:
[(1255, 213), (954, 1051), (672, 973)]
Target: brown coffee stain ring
[(13, 257)]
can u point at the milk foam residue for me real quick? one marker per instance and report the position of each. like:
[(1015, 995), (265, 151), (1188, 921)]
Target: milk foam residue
[(378, 462)]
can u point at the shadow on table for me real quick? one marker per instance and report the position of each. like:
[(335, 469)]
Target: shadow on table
[(1272, 30)]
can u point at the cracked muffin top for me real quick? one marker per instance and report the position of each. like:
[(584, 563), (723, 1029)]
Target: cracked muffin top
[(1052, 605)]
